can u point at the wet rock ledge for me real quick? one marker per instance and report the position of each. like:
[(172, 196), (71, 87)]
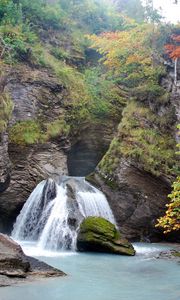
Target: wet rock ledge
[(16, 267)]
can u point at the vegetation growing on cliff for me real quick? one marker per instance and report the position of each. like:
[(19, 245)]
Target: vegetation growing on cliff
[(52, 35), (6, 105), (130, 42), (32, 132), (139, 138), (171, 220), (144, 135)]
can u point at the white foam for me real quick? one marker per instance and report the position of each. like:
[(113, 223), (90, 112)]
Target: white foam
[(32, 249)]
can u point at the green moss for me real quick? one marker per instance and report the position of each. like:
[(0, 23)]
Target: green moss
[(78, 101), (149, 92), (98, 234), (18, 40), (6, 107), (31, 131), (106, 167), (176, 253), (99, 225), (92, 179), (56, 128), (141, 137), (25, 133), (111, 182)]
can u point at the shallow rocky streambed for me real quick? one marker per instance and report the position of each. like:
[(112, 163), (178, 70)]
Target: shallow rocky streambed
[(103, 276)]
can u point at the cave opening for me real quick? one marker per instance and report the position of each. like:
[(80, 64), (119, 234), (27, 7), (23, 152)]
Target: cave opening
[(83, 158)]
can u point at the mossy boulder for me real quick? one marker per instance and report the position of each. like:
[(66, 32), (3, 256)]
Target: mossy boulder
[(99, 235)]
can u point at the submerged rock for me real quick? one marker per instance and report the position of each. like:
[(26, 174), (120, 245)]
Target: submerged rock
[(170, 254), (99, 235), (16, 267)]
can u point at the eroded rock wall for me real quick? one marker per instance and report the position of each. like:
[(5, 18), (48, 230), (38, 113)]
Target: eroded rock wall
[(35, 95), (5, 165), (38, 95)]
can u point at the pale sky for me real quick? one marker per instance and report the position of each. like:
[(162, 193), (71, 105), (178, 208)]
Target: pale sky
[(170, 11)]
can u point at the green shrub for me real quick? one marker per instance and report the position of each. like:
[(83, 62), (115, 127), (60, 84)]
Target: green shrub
[(10, 13), (134, 75), (105, 95), (59, 53), (148, 92), (56, 128), (38, 12), (18, 40)]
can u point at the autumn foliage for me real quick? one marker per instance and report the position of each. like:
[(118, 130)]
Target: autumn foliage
[(173, 50), (128, 54), (124, 47), (171, 220)]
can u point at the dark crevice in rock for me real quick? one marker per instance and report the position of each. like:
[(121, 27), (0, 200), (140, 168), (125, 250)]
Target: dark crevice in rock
[(83, 159)]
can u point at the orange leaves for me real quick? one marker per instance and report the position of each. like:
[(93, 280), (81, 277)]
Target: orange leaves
[(173, 50), (124, 48), (176, 38), (110, 35), (176, 53)]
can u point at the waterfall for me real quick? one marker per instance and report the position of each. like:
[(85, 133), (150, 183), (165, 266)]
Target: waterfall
[(52, 214)]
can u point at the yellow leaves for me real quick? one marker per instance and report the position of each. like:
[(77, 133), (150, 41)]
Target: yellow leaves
[(138, 58), (171, 220), (124, 47), (133, 58)]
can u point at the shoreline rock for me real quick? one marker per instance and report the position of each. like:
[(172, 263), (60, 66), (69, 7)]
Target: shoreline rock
[(170, 254), (16, 267)]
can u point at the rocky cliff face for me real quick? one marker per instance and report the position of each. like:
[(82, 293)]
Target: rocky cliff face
[(4, 162), (138, 197), (35, 94), (38, 95), (29, 166), (137, 200)]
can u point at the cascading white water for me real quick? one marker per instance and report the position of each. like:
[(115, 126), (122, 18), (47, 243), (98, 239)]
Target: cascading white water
[(94, 204), (53, 212), (57, 233)]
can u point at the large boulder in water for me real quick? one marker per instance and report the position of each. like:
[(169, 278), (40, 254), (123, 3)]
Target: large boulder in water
[(99, 235)]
